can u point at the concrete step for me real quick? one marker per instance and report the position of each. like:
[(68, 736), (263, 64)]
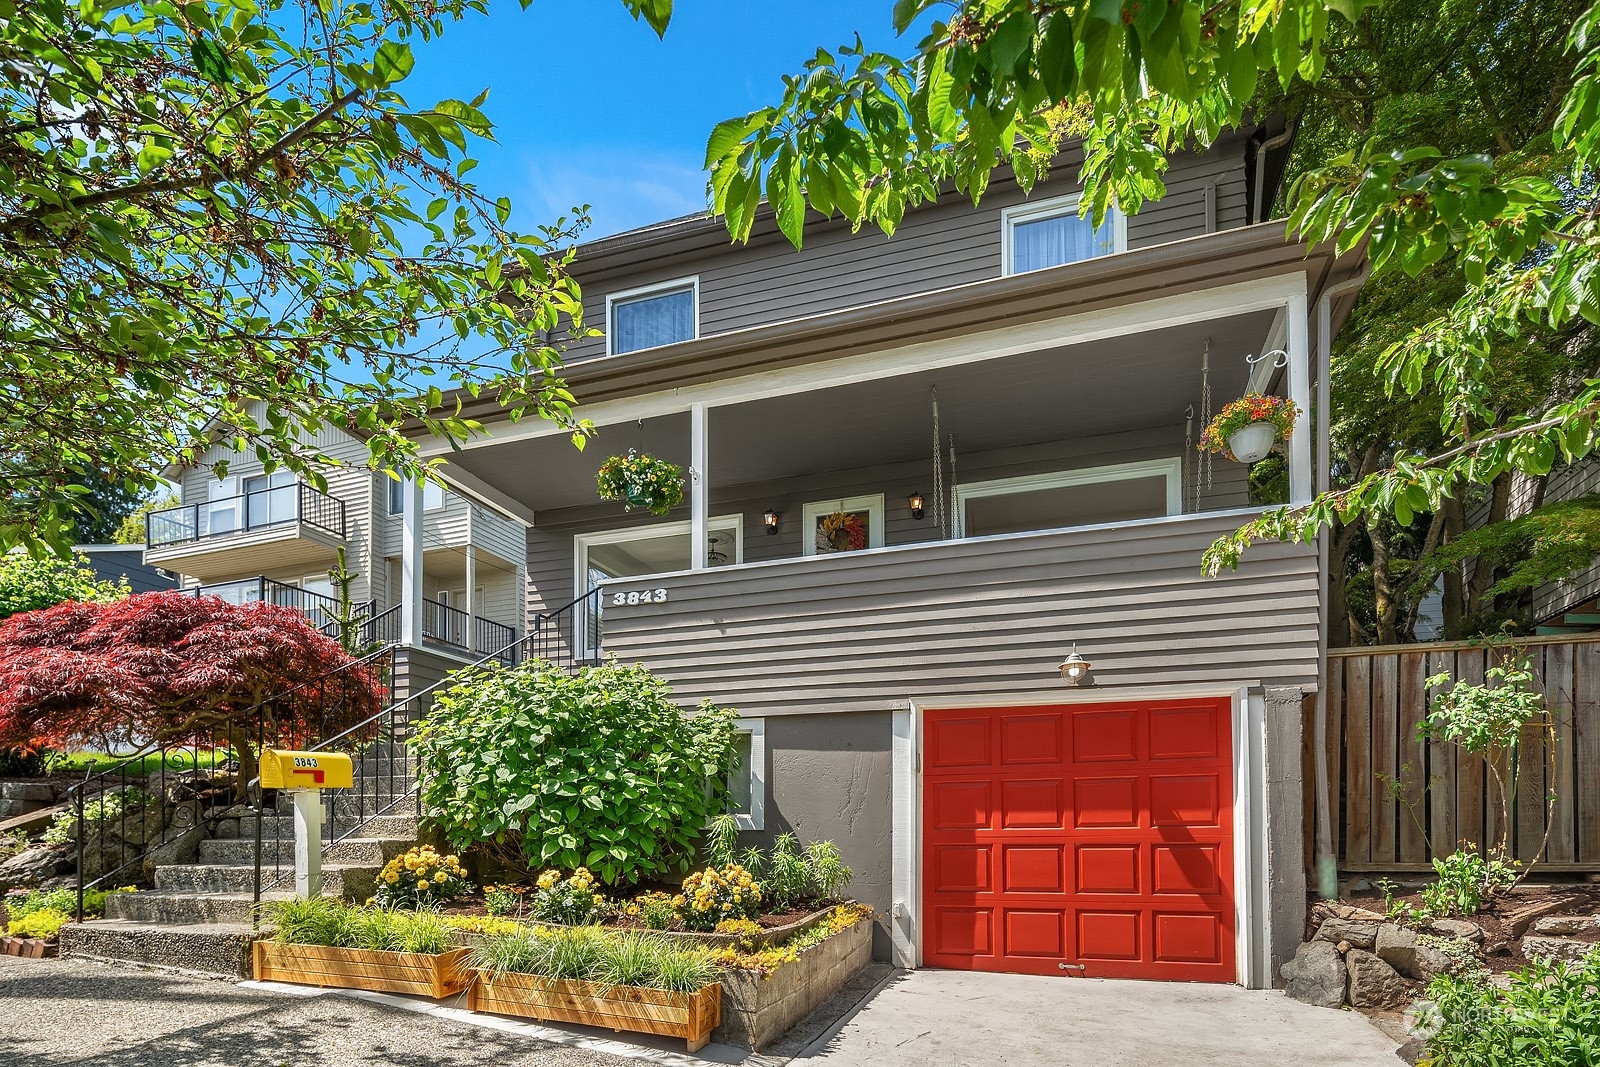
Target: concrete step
[(169, 908), (209, 948), (350, 881), (363, 850)]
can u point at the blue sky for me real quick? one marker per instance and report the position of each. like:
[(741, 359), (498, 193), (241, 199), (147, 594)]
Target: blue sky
[(590, 107)]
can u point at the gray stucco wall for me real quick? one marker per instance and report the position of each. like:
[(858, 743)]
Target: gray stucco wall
[(1285, 827), (828, 779)]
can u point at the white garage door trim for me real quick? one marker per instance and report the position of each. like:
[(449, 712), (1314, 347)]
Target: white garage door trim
[(1251, 945)]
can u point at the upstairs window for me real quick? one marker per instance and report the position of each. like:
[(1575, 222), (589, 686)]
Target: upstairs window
[(648, 318), (1050, 233), (432, 496)]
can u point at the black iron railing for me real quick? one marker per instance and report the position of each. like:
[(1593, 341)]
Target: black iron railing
[(570, 636), (488, 634), (258, 510), (448, 625), (153, 797)]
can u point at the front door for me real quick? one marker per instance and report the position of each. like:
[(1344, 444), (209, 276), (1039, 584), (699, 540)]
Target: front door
[(1090, 839)]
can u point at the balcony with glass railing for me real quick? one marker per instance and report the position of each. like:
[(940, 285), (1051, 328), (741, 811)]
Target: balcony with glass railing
[(284, 525)]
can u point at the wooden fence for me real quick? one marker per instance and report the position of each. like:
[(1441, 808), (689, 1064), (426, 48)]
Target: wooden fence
[(1401, 802)]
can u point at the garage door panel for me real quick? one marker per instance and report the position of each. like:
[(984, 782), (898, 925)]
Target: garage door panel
[(1033, 868), (1027, 739), (1102, 735), (1099, 803), (958, 805), (1096, 834), (1186, 869), (1028, 804), (1036, 933)]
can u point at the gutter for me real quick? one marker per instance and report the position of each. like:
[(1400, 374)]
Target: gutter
[(1257, 209), (1326, 861)]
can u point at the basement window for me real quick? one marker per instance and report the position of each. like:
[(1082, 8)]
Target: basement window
[(747, 785)]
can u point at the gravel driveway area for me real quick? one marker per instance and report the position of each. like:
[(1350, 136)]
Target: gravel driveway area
[(75, 1014)]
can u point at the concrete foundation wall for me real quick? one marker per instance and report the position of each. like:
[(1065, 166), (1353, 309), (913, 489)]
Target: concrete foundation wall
[(828, 778), (1285, 832)]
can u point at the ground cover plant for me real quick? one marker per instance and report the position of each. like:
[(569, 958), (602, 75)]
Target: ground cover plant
[(598, 769), (43, 912)]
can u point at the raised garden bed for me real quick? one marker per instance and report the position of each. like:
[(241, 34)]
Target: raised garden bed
[(760, 1008), (32, 948), (434, 975), (691, 1016)]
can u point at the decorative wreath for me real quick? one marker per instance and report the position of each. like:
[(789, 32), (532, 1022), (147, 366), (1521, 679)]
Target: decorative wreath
[(843, 531), (641, 481), (1246, 411)]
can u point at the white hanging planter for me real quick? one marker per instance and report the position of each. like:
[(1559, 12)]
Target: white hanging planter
[(1253, 442)]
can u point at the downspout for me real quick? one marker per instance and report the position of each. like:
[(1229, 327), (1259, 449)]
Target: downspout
[(1327, 862), (1257, 209)]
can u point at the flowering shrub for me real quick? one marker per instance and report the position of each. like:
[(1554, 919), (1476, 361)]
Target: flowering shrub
[(641, 481), (712, 895), (420, 877), (764, 959), (503, 899), (571, 901), (1248, 409), (656, 910), (843, 531)]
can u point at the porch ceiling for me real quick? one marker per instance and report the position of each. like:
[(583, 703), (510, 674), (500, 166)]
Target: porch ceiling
[(1070, 391)]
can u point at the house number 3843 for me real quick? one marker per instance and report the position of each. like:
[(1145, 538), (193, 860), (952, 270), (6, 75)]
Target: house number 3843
[(634, 597)]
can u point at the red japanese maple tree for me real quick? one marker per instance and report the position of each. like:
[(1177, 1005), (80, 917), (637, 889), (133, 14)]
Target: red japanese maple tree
[(168, 668)]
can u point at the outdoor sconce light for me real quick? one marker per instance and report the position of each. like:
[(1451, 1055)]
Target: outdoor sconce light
[(916, 502), (1074, 668), (770, 520)]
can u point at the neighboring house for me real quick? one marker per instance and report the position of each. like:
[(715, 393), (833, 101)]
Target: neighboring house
[(112, 563), (253, 536), (1006, 400)]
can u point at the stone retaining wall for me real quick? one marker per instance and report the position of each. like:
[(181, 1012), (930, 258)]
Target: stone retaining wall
[(757, 1011)]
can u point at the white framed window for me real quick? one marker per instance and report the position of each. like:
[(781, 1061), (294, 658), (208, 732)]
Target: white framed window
[(432, 496), (652, 316), (1084, 497), (747, 779), (270, 498), (865, 510), (1050, 233)]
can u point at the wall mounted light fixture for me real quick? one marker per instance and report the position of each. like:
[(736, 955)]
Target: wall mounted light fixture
[(1074, 668), (770, 521), (916, 502)]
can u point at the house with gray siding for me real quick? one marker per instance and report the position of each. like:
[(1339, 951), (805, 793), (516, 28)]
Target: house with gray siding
[(1007, 401)]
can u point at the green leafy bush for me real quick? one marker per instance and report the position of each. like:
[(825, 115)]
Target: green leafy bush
[(573, 901), (331, 922), (22, 904), (503, 899), (590, 953), (792, 874), (598, 769), (32, 584), (1549, 1015), (1465, 880)]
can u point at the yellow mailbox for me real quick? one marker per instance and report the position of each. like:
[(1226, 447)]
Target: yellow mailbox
[(282, 769)]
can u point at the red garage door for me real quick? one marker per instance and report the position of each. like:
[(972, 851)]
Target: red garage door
[(1092, 834)]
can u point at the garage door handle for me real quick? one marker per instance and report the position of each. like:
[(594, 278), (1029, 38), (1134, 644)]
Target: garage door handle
[(1071, 967)]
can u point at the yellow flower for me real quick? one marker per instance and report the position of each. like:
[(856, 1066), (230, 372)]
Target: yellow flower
[(391, 878), (441, 878)]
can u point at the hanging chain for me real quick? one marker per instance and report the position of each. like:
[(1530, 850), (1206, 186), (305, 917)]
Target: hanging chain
[(1205, 419), (938, 471), (1189, 459), (953, 483)]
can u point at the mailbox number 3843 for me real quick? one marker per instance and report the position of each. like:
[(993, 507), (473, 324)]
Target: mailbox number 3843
[(638, 596), (306, 761)]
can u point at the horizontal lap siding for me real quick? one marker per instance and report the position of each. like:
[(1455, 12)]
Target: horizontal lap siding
[(946, 243), (980, 617)]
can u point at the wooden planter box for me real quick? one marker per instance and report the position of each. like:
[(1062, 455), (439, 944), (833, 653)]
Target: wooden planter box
[(32, 948), (691, 1016), (360, 968)]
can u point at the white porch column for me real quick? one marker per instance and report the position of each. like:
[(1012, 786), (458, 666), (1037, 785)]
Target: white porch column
[(411, 565), (699, 489), (472, 598), (1299, 348)]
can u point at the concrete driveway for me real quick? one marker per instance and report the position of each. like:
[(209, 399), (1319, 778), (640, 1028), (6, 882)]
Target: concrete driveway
[(937, 1018)]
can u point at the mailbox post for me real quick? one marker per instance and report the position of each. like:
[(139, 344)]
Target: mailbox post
[(304, 775)]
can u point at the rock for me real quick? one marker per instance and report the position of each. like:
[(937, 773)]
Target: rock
[(1344, 946), (1518, 920), (1412, 1050), (227, 829), (237, 811), (39, 792), (1401, 949), (1360, 934), (1567, 925), (185, 848), (1316, 975), (1459, 928), (1332, 909), (1373, 983), (31, 866), (1556, 948)]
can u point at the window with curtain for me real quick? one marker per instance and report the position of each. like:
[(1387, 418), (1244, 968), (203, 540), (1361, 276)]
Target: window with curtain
[(1049, 236), (662, 318)]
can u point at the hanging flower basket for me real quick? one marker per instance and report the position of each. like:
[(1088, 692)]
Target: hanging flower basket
[(843, 531), (1247, 429), (641, 481)]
